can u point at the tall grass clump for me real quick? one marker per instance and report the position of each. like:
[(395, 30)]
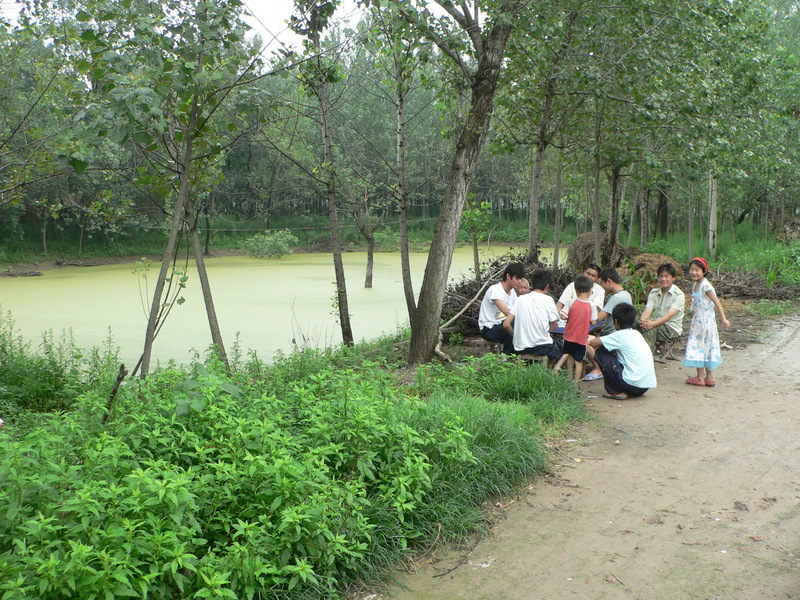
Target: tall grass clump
[(50, 377)]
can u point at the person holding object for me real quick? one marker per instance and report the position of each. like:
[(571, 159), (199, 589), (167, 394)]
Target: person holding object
[(497, 303), (702, 347), (582, 315), (624, 357), (662, 318)]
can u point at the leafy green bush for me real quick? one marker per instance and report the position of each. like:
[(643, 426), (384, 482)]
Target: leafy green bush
[(288, 481), (272, 244)]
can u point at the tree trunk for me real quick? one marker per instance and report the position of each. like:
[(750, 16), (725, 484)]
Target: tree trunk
[(370, 259), (644, 213), (711, 240), (476, 259), (208, 299), (559, 209), (596, 192), (662, 214), (156, 306), (633, 216), (690, 219), (534, 201), (329, 168), (400, 191), (471, 139), (609, 254)]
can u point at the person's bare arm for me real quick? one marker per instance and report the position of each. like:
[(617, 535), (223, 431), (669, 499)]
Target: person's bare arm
[(553, 325), (595, 342), (501, 306), (508, 324), (713, 297)]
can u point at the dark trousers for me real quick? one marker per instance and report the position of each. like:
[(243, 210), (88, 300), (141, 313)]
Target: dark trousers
[(554, 350), (612, 374), (500, 335)]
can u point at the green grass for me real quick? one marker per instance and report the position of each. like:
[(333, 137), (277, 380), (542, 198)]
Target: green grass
[(292, 480)]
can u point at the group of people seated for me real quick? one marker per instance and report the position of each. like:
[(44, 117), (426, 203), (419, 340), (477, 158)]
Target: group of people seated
[(620, 352)]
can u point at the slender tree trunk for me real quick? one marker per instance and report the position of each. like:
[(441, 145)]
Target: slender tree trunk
[(609, 255), (598, 242), (400, 191), (534, 201), (476, 259), (156, 306), (208, 299), (644, 213), (370, 259), (329, 168), (690, 219), (662, 214), (425, 324), (633, 216), (559, 209), (711, 240)]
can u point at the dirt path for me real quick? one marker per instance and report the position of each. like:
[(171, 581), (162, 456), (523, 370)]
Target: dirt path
[(688, 493)]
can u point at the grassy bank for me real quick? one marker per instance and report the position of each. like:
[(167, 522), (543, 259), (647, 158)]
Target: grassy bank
[(297, 479)]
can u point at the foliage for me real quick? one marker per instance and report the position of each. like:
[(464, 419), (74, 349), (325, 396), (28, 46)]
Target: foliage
[(288, 480), (272, 244), (52, 378)]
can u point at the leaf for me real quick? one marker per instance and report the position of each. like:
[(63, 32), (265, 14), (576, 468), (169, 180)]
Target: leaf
[(79, 166)]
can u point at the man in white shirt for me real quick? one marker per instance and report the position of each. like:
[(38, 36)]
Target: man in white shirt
[(497, 303), (532, 318), (597, 296)]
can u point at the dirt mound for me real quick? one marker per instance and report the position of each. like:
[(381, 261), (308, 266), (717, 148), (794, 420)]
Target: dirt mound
[(581, 253), (790, 232)]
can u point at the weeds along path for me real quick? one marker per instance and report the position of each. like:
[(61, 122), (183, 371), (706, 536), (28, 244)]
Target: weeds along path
[(691, 492)]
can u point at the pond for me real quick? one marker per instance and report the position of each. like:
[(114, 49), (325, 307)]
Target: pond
[(269, 305)]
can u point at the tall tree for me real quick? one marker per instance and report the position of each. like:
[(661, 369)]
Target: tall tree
[(474, 38), (161, 75), (311, 19)]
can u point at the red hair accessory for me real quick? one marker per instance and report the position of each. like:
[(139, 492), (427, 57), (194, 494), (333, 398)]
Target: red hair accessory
[(702, 262)]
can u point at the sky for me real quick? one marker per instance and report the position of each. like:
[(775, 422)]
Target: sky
[(270, 17)]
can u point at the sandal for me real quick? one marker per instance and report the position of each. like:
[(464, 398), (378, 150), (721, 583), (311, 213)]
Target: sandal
[(711, 383), (591, 377), (695, 381)]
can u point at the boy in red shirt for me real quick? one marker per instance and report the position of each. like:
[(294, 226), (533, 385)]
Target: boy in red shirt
[(582, 314)]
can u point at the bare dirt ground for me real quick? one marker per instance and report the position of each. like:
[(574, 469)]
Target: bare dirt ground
[(687, 493)]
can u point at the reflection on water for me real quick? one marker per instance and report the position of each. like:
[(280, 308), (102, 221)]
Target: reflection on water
[(269, 302)]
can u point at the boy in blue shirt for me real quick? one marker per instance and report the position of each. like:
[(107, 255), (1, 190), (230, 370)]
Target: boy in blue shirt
[(624, 357)]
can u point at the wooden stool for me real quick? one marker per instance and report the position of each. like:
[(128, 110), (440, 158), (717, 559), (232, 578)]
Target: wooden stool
[(664, 348), (532, 358), (478, 342)]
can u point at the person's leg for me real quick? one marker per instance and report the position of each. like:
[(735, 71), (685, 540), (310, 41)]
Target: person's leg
[(577, 356), (595, 370), (611, 370), (499, 334), (560, 363), (710, 380)]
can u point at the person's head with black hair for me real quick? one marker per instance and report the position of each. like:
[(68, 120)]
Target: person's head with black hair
[(668, 268), (541, 279), (583, 285), (624, 316), (610, 274), (514, 270), (592, 271)]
